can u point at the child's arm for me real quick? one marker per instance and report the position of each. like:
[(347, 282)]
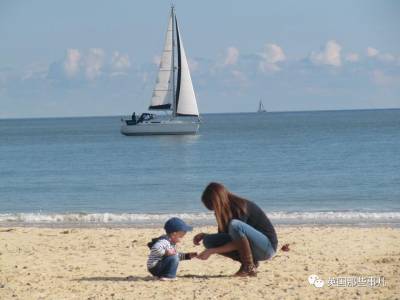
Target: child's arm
[(170, 251), (160, 248), (186, 256)]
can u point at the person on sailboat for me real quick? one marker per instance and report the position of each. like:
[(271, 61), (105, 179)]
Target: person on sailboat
[(145, 117), (244, 233), (134, 117)]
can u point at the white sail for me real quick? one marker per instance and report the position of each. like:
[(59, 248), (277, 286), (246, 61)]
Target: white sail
[(261, 107), (186, 104), (162, 93)]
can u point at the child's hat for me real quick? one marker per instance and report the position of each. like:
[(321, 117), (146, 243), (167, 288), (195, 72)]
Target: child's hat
[(176, 224)]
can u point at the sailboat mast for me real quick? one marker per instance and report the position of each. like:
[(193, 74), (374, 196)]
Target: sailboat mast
[(173, 63)]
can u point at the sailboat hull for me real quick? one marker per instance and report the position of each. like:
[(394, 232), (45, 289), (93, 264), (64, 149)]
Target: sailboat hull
[(167, 127)]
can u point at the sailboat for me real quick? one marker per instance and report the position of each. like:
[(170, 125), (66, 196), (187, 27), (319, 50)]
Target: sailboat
[(173, 93), (261, 108)]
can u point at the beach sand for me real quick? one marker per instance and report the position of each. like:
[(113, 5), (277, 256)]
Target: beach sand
[(92, 263)]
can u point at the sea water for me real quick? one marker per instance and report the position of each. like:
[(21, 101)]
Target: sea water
[(336, 167)]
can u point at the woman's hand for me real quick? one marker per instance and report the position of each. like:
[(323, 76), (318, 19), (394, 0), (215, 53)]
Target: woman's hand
[(198, 238), (205, 254)]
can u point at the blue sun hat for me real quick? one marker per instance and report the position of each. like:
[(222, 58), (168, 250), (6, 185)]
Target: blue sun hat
[(176, 224)]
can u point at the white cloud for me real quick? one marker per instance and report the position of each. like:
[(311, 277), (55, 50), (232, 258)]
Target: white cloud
[(328, 56), (120, 62), (72, 62), (382, 79), (239, 76), (386, 57), (94, 62), (78, 65), (272, 55), (35, 71), (352, 57), (371, 52), (232, 55), (383, 57)]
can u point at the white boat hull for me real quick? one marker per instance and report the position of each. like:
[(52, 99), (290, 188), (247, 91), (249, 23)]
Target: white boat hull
[(165, 127)]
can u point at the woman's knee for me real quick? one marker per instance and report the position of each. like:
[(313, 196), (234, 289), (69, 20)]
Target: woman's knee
[(208, 242), (235, 228), (216, 240)]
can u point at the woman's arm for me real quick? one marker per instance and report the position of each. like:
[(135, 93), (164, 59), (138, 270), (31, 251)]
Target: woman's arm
[(229, 247), (198, 238)]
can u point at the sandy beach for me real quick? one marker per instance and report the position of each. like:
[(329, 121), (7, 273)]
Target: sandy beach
[(94, 263)]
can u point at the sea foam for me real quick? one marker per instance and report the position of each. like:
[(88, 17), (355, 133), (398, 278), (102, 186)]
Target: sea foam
[(132, 219)]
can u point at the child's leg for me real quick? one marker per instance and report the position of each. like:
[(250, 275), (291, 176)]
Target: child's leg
[(168, 266)]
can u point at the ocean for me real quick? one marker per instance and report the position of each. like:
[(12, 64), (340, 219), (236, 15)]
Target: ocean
[(327, 167)]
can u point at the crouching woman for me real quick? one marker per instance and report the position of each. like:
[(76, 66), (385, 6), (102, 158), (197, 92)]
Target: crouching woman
[(244, 233)]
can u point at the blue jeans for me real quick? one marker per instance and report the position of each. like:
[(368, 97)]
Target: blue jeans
[(166, 267), (261, 246)]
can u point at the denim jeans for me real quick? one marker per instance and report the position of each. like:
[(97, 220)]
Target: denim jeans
[(261, 246), (166, 267)]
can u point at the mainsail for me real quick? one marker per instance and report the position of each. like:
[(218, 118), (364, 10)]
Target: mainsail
[(162, 93), (183, 103)]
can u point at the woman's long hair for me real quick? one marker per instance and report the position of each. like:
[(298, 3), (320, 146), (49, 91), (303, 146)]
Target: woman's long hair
[(225, 205)]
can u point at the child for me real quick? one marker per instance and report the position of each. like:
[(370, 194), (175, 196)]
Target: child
[(164, 259)]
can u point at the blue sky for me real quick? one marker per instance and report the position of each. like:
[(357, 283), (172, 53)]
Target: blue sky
[(83, 58)]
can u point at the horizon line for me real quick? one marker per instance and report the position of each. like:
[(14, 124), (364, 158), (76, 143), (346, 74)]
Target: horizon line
[(206, 113)]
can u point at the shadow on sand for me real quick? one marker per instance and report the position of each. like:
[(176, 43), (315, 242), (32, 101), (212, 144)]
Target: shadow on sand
[(115, 278), (195, 276), (146, 278)]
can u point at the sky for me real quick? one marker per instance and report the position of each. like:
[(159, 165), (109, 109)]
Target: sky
[(100, 58)]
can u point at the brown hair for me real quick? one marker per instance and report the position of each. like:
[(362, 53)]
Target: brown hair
[(225, 205)]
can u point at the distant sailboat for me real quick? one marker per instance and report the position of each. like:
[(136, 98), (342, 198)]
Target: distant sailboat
[(173, 92), (261, 108)]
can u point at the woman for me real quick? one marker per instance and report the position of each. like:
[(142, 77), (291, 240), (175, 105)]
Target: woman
[(244, 231)]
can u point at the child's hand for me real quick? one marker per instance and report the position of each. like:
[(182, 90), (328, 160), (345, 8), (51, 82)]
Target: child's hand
[(198, 238), (170, 252)]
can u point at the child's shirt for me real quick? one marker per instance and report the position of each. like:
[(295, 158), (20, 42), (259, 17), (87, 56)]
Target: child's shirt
[(158, 247)]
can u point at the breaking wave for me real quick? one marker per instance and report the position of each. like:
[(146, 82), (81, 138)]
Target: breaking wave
[(132, 219)]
